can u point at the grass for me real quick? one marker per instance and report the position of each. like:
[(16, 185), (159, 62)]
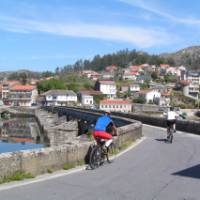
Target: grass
[(68, 166), (17, 176), (49, 170), (124, 146)]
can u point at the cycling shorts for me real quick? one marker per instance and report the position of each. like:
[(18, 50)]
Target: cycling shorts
[(102, 135), (171, 122)]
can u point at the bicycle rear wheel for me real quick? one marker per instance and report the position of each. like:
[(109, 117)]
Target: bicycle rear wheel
[(95, 157), (170, 137), (112, 151)]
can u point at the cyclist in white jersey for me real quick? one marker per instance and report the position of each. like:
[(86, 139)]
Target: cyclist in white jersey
[(171, 119)]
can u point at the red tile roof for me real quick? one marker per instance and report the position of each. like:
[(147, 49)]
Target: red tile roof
[(23, 87), (164, 65), (114, 101)]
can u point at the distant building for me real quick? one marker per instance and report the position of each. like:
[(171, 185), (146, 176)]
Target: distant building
[(111, 68), (193, 77), (107, 75), (90, 74), (117, 105), (85, 98), (150, 95), (165, 98), (23, 95), (6, 87), (107, 87), (190, 89), (127, 75), (60, 97), (134, 88)]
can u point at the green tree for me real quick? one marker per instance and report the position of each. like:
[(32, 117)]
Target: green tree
[(46, 85)]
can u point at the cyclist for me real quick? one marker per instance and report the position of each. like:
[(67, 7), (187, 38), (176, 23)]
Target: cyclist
[(105, 128), (171, 120)]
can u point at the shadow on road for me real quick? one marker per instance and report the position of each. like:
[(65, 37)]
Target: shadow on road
[(193, 172), (161, 140)]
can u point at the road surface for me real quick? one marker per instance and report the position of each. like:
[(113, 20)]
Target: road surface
[(151, 170)]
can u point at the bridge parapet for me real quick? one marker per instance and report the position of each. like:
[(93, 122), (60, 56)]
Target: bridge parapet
[(39, 161)]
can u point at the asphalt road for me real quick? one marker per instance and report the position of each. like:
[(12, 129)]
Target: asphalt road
[(151, 170)]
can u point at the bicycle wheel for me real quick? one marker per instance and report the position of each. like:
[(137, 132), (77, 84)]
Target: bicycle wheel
[(112, 151), (170, 137), (95, 157)]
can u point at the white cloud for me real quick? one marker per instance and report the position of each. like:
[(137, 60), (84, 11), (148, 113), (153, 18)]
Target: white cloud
[(158, 11), (139, 36)]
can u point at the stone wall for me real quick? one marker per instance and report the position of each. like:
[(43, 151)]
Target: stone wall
[(148, 108), (39, 161), (182, 125)]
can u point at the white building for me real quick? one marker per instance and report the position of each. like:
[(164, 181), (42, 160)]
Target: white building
[(193, 77), (130, 75), (190, 89), (165, 98), (150, 95), (134, 88), (60, 97), (107, 87), (115, 105), (85, 98)]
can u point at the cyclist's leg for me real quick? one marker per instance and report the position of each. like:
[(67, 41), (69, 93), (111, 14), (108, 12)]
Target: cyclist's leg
[(174, 126), (168, 128), (104, 135)]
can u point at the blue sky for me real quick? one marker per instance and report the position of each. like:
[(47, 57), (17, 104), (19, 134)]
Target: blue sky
[(41, 35)]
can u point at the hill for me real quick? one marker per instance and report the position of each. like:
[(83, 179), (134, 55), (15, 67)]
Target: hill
[(190, 57)]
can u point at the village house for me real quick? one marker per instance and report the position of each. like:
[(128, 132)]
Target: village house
[(111, 68), (60, 97), (150, 95), (90, 74), (193, 77), (86, 97), (23, 95), (190, 89), (124, 88), (107, 87), (134, 88), (117, 105), (5, 89), (128, 75), (144, 78), (107, 75), (165, 98), (182, 73)]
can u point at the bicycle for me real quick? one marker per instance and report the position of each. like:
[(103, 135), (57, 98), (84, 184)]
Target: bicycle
[(99, 153), (170, 132)]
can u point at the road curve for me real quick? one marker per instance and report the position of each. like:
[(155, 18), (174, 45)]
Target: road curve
[(152, 170)]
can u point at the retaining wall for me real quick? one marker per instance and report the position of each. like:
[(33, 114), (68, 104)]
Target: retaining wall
[(182, 125), (40, 161)]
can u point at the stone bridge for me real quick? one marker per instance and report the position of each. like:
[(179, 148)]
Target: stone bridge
[(63, 150)]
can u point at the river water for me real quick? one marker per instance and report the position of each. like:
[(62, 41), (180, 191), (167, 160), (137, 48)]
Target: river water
[(20, 134)]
